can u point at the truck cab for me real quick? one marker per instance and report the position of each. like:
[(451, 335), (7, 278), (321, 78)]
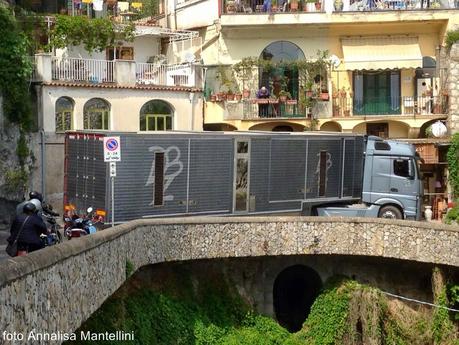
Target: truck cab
[(391, 183), (391, 179)]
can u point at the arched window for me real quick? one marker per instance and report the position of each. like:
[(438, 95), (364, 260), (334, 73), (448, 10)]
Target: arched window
[(64, 114), (96, 114), (156, 116), (281, 79)]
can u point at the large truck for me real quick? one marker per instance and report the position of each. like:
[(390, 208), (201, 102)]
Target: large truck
[(242, 173)]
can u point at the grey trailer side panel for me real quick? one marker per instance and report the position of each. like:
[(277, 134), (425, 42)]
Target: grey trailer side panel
[(287, 168), (260, 179), (211, 175), (353, 167), (135, 180), (86, 180)]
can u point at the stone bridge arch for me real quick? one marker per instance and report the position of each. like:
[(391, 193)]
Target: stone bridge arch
[(92, 268)]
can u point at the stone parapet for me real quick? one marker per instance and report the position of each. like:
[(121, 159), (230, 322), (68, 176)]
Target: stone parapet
[(58, 288)]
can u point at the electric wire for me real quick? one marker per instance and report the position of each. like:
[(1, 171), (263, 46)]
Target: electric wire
[(420, 302)]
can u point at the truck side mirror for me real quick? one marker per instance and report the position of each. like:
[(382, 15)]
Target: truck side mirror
[(411, 174)]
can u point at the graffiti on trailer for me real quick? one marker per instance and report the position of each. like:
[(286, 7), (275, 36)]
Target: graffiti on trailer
[(172, 168), (328, 165)]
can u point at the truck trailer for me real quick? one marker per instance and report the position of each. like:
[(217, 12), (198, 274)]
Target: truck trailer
[(242, 173)]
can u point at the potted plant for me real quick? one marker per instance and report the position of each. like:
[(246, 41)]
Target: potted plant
[(308, 87), (284, 95), (230, 94), (274, 6), (231, 6), (246, 93), (338, 4), (238, 96), (318, 5), (293, 5)]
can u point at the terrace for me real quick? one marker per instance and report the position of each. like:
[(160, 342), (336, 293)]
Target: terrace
[(48, 68)]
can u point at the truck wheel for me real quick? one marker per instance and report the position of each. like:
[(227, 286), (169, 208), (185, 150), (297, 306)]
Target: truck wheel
[(390, 212)]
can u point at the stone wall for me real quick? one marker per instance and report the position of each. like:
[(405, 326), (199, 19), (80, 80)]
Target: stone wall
[(453, 88), (58, 288)]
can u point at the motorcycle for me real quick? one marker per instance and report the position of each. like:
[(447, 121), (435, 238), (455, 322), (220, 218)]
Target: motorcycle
[(81, 225), (54, 235)]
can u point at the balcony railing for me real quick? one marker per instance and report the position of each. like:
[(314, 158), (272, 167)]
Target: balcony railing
[(421, 105), (170, 75), (104, 71), (82, 70), (257, 7), (252, 109)]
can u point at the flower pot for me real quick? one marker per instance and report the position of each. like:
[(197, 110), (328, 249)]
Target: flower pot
[(324, 96), (318, 6), (308, 93), (338, 6), (230, 97), (246, 93), (283, 98), (347, 113), (428, 213), (213, 98), (221, 96), (238, 97)]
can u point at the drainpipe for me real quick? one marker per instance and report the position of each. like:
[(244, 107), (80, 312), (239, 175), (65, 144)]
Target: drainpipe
[(191, 97), (43, 163)]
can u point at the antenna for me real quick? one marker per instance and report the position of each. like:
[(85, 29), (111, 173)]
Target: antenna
[(335, 61)]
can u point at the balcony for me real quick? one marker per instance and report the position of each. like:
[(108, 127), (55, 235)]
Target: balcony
[(299, 6), (342, 107), (394, 106), (117, 72), (337, 12)]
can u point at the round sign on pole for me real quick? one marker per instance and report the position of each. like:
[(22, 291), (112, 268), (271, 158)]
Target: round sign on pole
[(112, 149), (439, 129)]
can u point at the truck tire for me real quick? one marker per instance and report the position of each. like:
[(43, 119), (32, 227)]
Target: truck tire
[(390, 212)]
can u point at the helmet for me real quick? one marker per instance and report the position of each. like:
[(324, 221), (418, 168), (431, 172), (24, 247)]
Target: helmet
[(29, 208), (36, 195)]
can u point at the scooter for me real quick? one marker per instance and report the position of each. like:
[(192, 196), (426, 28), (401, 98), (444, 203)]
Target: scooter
[(77, 226)]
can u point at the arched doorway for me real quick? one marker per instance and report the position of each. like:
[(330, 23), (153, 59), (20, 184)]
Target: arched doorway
[(281, 78), (96, 114), (156, 115), (64, 114), (331, 126), (295, 290), (283, 128)]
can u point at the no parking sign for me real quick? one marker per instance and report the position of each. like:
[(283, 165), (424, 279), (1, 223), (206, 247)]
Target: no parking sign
[(112, 149)]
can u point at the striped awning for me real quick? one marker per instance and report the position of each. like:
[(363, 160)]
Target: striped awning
[(387, 52)]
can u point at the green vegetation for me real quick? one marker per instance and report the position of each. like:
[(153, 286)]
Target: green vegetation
[(15, 71), (94, 34), (453, 164), (201, 307), (451, 38), (129, 268)]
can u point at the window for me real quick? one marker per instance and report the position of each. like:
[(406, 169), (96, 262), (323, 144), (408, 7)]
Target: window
[(378, 129), (279, 79), (156, 116), (322, 173), (122, 53), (402, 167), (158, 199), (96, 114), (64, 114)]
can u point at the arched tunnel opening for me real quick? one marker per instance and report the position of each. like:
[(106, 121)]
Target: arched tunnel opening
[(295, 290)]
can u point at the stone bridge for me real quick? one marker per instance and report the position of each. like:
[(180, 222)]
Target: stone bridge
[(58, 288)]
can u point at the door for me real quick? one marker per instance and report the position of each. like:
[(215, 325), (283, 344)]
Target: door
[(380, 180), (241, 175), (404, 183)]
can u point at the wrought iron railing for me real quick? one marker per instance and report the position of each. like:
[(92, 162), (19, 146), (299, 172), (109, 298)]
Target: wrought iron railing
[(410, 105), (86, 70), (295, 6), (249, 109)]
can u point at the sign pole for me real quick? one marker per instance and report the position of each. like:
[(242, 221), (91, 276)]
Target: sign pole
[(112, 154), (113, 201)]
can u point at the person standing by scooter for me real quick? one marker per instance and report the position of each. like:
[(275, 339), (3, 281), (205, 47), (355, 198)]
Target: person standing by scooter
[(26, 230)]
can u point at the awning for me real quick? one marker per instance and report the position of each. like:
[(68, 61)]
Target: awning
[(388, 52)]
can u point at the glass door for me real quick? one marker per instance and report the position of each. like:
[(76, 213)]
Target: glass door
[(241, 176)]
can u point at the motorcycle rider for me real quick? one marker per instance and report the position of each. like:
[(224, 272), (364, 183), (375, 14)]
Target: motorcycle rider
[(37, 199), (28, 239)]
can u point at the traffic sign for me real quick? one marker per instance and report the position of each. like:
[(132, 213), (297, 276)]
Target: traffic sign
[(112, 149), (112, 169)]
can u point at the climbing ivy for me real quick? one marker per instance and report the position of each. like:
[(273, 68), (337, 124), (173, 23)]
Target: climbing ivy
[(451, 38), (94, 34), (15, 71), (453, 164)]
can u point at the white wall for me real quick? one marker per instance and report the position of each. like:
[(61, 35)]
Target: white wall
[(125, 106)]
